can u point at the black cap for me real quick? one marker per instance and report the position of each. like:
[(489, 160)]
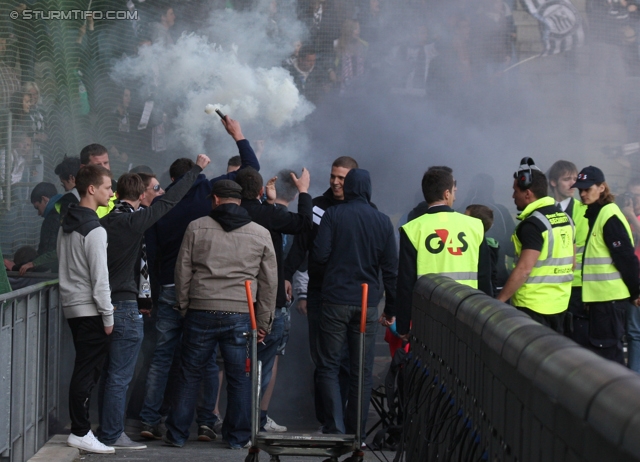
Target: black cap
[(589, 176), (226, 188)]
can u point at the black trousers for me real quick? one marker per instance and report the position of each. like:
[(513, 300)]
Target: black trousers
[(606, 328), (580, 331), (555, 322), (91, 344)]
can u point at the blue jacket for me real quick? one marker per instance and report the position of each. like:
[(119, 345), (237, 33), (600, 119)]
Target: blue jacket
[(163, 239), (357, 242)]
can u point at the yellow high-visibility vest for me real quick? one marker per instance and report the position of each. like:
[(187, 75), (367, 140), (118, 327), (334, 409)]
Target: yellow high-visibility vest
[(448, 244), (601, 281), (548, 287)]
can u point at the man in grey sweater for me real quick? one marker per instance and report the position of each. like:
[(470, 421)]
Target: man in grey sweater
[(85, 297)]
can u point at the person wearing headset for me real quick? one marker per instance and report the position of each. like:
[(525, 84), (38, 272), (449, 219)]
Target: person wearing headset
[(609, 268), (544, 242)]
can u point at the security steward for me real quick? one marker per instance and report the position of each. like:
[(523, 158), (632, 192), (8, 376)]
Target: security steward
[(610, 267), (540, 283), (441, 241), (562, 175)]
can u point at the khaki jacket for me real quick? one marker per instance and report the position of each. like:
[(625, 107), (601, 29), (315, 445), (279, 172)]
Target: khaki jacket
[(213, 265)]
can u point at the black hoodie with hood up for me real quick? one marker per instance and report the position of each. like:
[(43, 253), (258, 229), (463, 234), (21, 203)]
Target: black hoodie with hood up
[(357, 242)]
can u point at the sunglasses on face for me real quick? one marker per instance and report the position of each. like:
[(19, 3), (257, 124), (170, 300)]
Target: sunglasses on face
[(156, 188)]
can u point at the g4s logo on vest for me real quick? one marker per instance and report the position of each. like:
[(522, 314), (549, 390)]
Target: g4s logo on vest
[(445, 241)]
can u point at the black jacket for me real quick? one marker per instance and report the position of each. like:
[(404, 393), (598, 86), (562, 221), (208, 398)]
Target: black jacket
[(303, 243), (278, 221), (357, 242), (125, 232), (407, 273), (165, 237)]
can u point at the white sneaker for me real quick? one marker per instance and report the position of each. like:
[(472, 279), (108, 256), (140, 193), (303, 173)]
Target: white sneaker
[(271, 426), (89, 443)]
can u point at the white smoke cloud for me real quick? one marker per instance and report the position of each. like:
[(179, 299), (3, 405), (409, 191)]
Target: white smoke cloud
[(240, 73)]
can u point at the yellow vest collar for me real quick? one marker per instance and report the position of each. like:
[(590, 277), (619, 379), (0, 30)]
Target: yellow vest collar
[(543, 202)]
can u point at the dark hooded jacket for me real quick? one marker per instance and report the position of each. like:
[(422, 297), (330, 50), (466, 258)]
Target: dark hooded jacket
[(356, 242), (163, 239)]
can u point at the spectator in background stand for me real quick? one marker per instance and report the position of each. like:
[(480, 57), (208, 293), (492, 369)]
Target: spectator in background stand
[(23, 168), (44, 198), (121, 128), (413, 60), (450, 71), (9, 82), (492, 38), (310, 76), (351, 52), (26, 38), (20, 107), (160, 30), (36, 116), (321, 18)]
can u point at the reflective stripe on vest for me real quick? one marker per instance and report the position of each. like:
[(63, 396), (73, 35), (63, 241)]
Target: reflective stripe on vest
[(601, 280), (548, 287), (447, 243)]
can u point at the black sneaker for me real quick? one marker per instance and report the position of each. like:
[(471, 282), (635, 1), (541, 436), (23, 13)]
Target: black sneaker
[(206, 434), (151, 432)]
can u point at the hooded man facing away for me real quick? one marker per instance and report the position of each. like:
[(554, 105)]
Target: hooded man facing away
[(356, 242)]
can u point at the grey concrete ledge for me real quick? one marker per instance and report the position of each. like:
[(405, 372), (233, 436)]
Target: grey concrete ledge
[(56, 450)]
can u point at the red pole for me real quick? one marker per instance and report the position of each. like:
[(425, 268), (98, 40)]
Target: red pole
[(363, 316), (252, 312)]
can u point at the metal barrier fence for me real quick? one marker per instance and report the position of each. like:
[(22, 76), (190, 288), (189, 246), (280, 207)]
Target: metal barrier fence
[(30, 346), (485, 382)]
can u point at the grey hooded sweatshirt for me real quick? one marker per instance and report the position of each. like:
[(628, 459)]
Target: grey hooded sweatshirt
[(83, 271)]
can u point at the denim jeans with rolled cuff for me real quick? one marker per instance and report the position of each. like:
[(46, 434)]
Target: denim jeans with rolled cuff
[(203, 332), (169, 331), (124, 346)]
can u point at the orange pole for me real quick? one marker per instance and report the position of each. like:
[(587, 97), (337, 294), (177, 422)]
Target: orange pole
[(363, 316), (252, 312)]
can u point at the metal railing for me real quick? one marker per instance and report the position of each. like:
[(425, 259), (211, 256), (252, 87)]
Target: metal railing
[(486, 382), (30, 357)]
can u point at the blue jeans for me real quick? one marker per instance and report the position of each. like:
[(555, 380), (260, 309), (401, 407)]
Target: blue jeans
[(125, 342), (633, 336), (203, 332), (340, 324), (267, 351), (169, 330)]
